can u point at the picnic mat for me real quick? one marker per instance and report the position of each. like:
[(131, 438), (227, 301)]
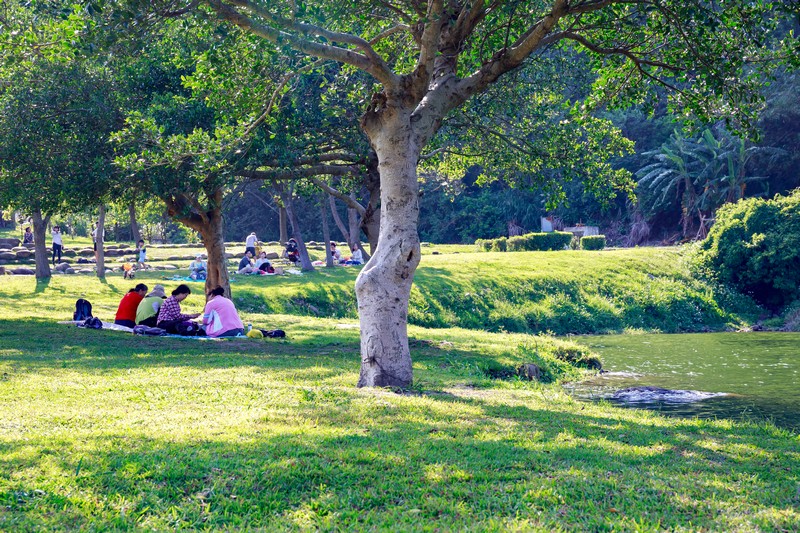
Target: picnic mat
[(110, 326)]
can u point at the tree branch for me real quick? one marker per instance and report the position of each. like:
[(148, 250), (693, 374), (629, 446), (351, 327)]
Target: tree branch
[(338, 194), (279, 31), (296, 173), (639, 61)]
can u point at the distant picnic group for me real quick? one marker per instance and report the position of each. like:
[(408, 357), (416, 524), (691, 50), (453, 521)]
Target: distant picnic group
[(256, 262)]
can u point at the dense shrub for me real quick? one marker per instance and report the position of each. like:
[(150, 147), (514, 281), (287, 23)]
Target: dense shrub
[(499, 244), (483, 245), (755, 246), (593, 242)]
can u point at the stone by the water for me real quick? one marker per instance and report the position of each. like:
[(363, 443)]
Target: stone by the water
[(657, 394)]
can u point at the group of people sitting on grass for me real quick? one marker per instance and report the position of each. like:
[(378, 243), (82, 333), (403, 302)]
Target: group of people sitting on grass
[(261, 265), (155, 309)]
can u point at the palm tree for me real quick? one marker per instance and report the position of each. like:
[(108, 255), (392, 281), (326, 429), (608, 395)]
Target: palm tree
[(702, 173)]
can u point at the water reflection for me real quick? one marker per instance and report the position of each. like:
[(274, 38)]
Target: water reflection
[(759, 372)]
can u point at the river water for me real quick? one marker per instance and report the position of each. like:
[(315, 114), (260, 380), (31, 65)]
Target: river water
[(758, 372)]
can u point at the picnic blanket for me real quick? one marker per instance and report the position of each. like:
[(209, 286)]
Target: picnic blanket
[(183, 278), (110, 326)]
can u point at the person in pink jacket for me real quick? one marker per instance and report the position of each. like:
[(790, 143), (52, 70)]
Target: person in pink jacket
[(220, 317)]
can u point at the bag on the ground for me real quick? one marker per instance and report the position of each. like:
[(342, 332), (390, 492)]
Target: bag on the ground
[(187, 328), (83, 310), (274, 333), (141, 329), (92, 323)]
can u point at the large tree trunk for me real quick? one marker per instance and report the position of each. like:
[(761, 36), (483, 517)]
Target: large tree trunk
[(40, 253), (100, 255), (212, 231), (135, 233), (305, 261), (383, 286), (326, 231), (282, 226)]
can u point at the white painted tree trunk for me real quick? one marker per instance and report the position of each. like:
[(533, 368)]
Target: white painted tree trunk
[(384, 285)]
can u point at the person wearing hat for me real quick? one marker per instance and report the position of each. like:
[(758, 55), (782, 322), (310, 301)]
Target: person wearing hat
[(147, 311), (197, 268), (291, 252), (250, 244)]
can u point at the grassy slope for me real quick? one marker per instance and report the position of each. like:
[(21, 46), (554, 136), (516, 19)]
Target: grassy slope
[(528, 292), (102, 430)]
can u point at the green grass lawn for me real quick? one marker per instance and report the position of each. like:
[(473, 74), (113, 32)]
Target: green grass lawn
[(105, 431)]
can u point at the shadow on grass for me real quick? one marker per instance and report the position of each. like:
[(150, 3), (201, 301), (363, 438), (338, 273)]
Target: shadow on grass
[(325, 464), (41, 285), (41, 344)]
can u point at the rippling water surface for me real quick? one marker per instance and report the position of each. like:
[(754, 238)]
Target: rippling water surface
[(759, 372)]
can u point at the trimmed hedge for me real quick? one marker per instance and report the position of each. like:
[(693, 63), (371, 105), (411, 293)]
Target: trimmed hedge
[(593, 242), (556, 240)]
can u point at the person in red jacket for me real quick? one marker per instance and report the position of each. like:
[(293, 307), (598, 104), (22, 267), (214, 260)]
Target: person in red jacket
[(126, 313)]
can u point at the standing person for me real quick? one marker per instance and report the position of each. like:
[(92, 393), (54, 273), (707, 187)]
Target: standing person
[(95, 229), (58, 244), (142, 254), (250, 243), (246, 264), (170, 315), (126, 312), (27, 237), (147, 312), (220, 317)]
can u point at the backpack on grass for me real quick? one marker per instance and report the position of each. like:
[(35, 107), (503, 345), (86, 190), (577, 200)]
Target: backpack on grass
[(274, 333), (83, 310)]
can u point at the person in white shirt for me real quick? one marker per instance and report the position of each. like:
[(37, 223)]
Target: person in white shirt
[(356, 258), (58, 244), (250, 244)]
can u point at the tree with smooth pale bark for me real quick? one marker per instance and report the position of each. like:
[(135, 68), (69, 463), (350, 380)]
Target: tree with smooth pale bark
[(429, 58)]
